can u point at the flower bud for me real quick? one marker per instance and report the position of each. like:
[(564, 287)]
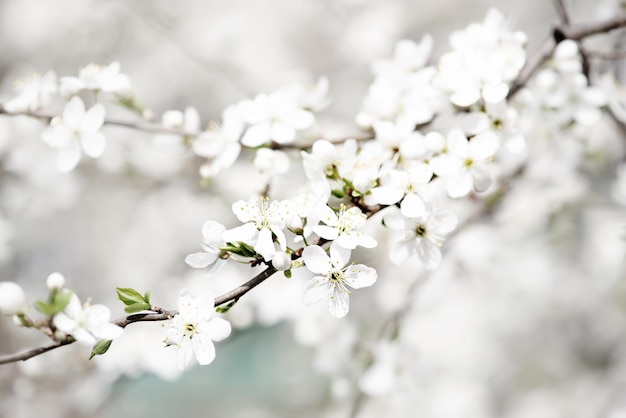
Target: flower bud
[(12, 298), (281, 261), (55, 281)]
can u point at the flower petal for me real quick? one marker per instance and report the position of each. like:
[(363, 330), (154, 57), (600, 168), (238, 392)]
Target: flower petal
[(316, 259)]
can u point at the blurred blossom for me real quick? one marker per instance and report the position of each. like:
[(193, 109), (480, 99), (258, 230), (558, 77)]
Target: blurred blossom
[(35, 93)]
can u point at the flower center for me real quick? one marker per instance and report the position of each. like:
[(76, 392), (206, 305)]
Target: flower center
[(420, 230), (190, 330)]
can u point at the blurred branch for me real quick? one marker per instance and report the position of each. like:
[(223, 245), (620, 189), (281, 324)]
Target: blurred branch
[(158, 314), (139, 126), (560, 33)]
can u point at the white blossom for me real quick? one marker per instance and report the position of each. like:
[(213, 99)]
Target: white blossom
[(271, 162), (275, 117), (464, 164), (342, 227), (87, 324), (12, 298), (194, 329), (97, 78), (35, 92), (262, 219), (334, 278), (55, 281), (77, 128), (220, 143), (422, 235)]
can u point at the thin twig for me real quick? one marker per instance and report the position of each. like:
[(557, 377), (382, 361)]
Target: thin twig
[(160, 315)]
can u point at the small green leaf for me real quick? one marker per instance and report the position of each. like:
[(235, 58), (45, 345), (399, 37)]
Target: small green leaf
[(61, 299), (287, 274), (57, 303), (43, 307), (100, 348), (247, 250), (129, 296), (338, 193), (137, 307), (226, 307), (146, 297)]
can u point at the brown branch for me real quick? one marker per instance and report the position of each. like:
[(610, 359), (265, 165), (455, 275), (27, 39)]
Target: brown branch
[(158, 314), (561, 32)]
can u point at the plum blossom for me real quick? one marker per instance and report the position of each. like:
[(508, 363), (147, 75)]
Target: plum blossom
[(75, 129), (402, 92), (334, 278), (342, 227), (275, 117), (405, 185), (97, 78), (194, 329), (211, 242), (423, 235), (464, 162), (35, 92), (220, 143), (323, 163), (12, 298), (262, 220), (485, 57), (271, 162), (87, 324)]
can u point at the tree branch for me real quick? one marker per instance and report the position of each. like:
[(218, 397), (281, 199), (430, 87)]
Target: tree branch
[(561, 32), (158, 314)]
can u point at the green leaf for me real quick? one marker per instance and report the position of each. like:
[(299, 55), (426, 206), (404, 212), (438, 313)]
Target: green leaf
[(146, 297), (287, 274), (225, 307), (137, 307), (57, 303), (100, 348), (338, 193), (129, 296), (247, 250)]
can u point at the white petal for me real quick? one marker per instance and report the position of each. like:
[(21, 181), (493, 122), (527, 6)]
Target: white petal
[(315, 290), (397, 221), (265, 244), (386, 195), (429, 253), (281, 133), (483, 145), (443, 223), (316, 259), (358, 276), (256, 135), (495, 93), (68, 158), (94, 144), (200, 260), (412, 206), (339, 303), (481, 178), (301, 119), (204, 349), (339, 255), (460, 184), (466, 97), (185, 353), (212, 233), (217, 329), (64, 323), (94, 118), (326, 232), (245, 233), (107, 331), (327, 215), (401, 250), (457, 144), (74, 112)]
